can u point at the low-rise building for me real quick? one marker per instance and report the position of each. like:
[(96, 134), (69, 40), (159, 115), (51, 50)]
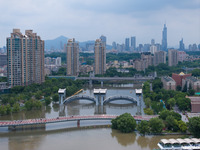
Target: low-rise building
[(193, 82), (179, 77), (195, 104), (168, 83)]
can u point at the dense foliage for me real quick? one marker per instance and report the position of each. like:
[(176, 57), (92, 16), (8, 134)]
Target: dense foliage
[(194, 126), (32, 95), (125, 123), (143, 127), (156, 125)]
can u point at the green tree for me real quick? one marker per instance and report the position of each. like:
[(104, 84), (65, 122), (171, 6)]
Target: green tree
[(55, 97), (3, 110), (194, 126), (191, 92), (156, 125), (125, 123), (182, 126), (47, 100), (147, 102), (171, 102), (196, 72), (178, 88), (172, 123), (148, 111), (143, 127), (184, 104), (16, 107), (8, 109)]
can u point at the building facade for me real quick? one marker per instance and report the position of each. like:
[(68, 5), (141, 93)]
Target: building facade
[(168, 83), (159, 57), (133, 43), (182, 56), (3, 60), (172, 57), (127, 47), (25, 58), (179, 77), (164, 38), (100, 57), (72, 49), (191, 82)]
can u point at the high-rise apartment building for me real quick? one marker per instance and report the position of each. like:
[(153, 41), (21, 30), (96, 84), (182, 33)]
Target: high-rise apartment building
[(25, 58), (103, 39), (172, 57), (72, 49), (153, 49), (159, 57), (181, 45), (133, 43), (164, 38), (100, 57), (127, 47)]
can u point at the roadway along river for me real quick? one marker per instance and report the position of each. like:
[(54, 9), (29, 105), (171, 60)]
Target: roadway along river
[(57, 136)]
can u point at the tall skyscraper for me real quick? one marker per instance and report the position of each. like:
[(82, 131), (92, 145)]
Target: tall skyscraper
[(181, 45), (127, 47), (152, 41), (133, 43), (164, 38), (72, 49), (103, 39), (159, 57), (100, 57), (172, 57), (25, 58)]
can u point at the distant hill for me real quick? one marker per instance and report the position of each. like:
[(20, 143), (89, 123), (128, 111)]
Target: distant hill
[(56, 44), (59, 42)]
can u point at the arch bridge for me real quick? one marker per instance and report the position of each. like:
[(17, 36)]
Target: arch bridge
[(79, 97), (114, 98)]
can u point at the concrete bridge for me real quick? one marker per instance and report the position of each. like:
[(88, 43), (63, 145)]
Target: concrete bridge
[(79, 97), (116, 78), (114, 98), (39, 123), (89, 98)]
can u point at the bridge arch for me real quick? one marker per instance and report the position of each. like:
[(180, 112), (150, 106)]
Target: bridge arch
[(114, 98), (79, 97)]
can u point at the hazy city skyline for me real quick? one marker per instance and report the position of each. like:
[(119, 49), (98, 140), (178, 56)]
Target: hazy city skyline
[(117, 20)]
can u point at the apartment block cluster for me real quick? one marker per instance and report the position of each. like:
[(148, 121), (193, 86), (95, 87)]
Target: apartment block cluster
[(25, 55), (72, 55), (51, 64), (182, 80)]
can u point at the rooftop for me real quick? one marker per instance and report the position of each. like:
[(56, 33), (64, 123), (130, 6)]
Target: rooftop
[(99, 91), (167, 79), (192, 78), (61, 91)]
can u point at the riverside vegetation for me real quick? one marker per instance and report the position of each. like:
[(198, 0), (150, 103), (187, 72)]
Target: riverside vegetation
[(32, 96)]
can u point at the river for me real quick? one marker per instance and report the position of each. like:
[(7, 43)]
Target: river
[(60, 136)]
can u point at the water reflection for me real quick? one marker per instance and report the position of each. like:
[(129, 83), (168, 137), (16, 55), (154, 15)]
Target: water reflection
[(124, 139), (31, 142)]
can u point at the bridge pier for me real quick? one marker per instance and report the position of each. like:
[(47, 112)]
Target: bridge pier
[(62, 110), (101, 83), (78, 123), (62, 94)]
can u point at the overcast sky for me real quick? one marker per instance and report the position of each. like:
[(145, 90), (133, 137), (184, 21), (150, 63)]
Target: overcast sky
[(116, 19)]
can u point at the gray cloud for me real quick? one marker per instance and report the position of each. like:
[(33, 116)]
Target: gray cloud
[(117, 19)]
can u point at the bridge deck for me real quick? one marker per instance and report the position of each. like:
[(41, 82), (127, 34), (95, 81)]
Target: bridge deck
[(65, 119)]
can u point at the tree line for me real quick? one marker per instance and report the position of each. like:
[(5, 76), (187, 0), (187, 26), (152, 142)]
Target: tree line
[(32, 96), (168, 121)]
